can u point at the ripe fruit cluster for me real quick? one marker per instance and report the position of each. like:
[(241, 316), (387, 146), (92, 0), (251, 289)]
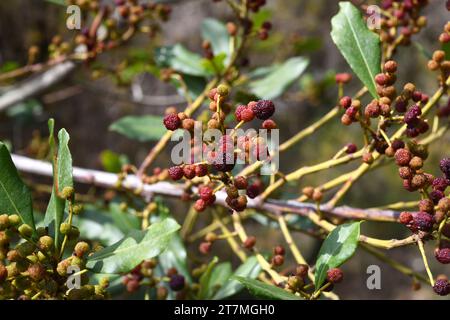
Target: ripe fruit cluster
[(221, 156), (404, 18)]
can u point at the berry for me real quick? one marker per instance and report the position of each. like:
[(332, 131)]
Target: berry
[(176, 282), (247, 115), (14, 220), (442, 287), (205, 247), (302, 270), (67, 192), (402, 157), (444, 165), (189, 171), (223, 90), (416, 163), (64, 228), (254, 190), (335, 275), (81, 248), (398, 144), (250, 242), (351, 148), (419, 181), (405, 172), (423, 221), (405, 217), (176, 173), (206, 193), (317, 195), (240, 182), (390, 66), (238, 111), (346, 120), (436, 195), (132, 285), (343, 77), (201, 170), (278, 260), (264, 109), (442, 255), (444, 204), (381, 79), (200, 205), (4, 221), (36, 272), (232, 192), (269, 124), (279, 250), (345, 102), (172, 122), (426, 205)]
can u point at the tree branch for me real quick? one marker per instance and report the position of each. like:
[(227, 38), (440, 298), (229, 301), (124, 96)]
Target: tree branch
[(132, 182), (36, 84)]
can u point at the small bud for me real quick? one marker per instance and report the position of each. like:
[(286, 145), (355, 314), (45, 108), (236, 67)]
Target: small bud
[(67, 192), (25, 231)]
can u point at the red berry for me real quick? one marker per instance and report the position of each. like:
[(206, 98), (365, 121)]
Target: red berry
[(345, 102), (343, 77), (269, 124), (200, 205), (277, 260), (238, 111), (240, 183), (247, 115), (264, 109), (405, 217), (335, 275), (205, 193), (176, 173), (189, 171), (351, 148), (423, 221), (172, 121), (250, 242), (279, 250), (201, 170)]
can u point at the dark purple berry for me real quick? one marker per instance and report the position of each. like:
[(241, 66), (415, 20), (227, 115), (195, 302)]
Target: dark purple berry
[(423, 221), (264, 109), (442, 255), (442, 287), (176, 282)]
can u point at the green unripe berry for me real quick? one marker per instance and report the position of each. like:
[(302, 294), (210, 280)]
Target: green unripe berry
[(14, 220), (67, 192), (45, 243), (81, 248), (75, 261), (223, 90), (4, 221), (33, 258), (64, 228), (41, 256), (77, 209), (25, 231)]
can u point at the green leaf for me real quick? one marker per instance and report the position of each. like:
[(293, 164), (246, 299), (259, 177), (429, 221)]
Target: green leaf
[(54, 214), (137, 246), (205, 279), (278, 78), (263, 290), (141, 128), (359, 46), (219, 276), (175, 256), (180, 59), (113, 162), (215, 32), (249, 269), (446, 48), (124, 220), (338, 247), (15, 198)]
